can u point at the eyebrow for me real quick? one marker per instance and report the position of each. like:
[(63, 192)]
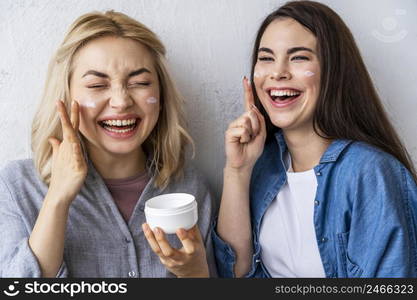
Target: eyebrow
[(296, 49), (138, 72), (289, 51), (103, 75)]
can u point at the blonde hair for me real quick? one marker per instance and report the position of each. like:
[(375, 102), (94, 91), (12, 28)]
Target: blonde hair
[(165, 145)]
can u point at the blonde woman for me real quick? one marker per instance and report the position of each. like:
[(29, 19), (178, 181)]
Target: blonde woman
[(108, 135)]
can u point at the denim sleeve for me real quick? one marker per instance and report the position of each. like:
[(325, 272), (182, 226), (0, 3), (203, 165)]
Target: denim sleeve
[(225, 256), (382, 237), (16, 257)]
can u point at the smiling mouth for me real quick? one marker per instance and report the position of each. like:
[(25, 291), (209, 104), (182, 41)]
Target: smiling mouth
[(119, 126), (284, 95)]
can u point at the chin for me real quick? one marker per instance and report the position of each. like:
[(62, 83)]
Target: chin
[(282, 123), (121, 149)]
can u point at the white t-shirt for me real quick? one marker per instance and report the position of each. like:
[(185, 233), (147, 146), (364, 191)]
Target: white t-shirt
[(287, 236)]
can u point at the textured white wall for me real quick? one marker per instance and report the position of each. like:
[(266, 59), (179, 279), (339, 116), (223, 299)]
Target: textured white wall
[(209, 45)]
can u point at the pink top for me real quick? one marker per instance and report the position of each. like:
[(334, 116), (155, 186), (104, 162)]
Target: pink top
[(126, 192)]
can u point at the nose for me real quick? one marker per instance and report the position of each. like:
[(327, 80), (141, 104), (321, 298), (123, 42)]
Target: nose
[(120, 99), (281, 72)]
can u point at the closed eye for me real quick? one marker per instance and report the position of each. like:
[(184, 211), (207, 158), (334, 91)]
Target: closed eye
[(299, 58), (142, 83), (265, 58), (96, 86)]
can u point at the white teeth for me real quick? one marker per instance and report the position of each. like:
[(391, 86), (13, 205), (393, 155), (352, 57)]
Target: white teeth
[(119, 122), (280, 93), (118, 130)]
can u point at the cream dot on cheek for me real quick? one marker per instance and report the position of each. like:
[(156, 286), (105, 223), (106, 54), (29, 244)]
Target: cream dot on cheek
[(151, 100), (309, 73), (89, 104)]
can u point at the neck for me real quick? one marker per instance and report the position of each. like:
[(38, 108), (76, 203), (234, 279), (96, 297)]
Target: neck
[(306, 148), (111, 166)]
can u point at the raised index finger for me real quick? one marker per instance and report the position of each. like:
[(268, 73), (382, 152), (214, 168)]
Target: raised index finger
[(67, 129), (75, 115), (248, 94)]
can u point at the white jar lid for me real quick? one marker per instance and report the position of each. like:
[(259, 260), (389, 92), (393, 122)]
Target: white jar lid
[(168, 204)]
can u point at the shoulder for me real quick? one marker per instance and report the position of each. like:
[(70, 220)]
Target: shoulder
[(367, 158), (192, 174), (193, 177), (18, 170), (370, 170), (21, 176), (192, 181)]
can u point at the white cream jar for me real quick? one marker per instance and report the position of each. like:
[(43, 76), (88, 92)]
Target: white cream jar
[(171, 212)]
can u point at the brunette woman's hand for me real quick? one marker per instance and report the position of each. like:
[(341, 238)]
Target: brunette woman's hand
[(69, 167), (189, 261), (245, 137)]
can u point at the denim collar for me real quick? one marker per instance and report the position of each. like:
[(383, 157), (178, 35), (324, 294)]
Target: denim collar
[(269, 174), (331, 154)]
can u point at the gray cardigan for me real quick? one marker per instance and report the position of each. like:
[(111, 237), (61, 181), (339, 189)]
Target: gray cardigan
[(98, 242)]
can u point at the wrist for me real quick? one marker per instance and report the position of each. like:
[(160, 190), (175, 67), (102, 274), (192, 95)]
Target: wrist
[(55, 209), (242, 172), (201, 274), (58, 200)]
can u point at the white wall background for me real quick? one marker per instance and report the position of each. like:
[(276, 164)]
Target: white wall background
[(209, 45)]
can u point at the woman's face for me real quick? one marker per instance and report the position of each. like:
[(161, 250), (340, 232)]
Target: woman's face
[(116, 85), (287, 74)]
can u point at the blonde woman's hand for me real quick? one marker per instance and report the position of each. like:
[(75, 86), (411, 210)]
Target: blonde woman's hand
[(69, 167), (245, 137), (189, 261)]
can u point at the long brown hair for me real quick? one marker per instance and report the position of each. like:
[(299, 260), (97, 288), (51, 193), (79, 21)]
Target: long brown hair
[(348, 106)]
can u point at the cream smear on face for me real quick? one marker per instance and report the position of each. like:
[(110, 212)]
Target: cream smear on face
[(265, 72), (151, 100), (309, 73), (89, 104), (262, 72)]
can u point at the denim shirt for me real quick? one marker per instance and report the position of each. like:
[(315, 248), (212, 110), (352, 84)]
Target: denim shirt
[(365, 212)]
